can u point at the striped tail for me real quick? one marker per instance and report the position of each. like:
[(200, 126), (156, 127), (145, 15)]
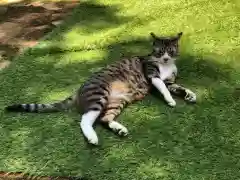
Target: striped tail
[(41, 108)]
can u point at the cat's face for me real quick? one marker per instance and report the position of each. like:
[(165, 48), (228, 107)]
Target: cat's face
[(165, 49)]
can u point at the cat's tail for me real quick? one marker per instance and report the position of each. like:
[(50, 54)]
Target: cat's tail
[(40, 108)]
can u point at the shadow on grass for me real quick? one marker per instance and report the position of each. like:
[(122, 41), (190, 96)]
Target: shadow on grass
[(187, 141), (24, 23), (91, 17), (190, 141)]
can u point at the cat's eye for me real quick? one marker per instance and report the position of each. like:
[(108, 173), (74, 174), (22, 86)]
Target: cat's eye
[(171, 50)]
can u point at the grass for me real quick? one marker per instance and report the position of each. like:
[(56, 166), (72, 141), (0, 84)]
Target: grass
[(197, 142)]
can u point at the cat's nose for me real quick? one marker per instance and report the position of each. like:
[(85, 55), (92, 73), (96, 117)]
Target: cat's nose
[(165, 59)]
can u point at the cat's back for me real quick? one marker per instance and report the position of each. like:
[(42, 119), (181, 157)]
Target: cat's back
[(126, 66), (127, 70)]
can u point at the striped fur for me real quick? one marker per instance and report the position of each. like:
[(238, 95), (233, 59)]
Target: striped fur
[(105, 94)]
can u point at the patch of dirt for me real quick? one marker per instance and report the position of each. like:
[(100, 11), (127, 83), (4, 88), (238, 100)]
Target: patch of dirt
[(22, 24), (23, 176)]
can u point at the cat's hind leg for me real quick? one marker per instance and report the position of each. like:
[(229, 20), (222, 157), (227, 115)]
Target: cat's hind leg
[(86, 124), (92, 101), (114, 108)]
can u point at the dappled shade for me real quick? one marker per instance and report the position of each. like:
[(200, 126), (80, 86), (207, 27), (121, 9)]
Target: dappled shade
[(198, 141)]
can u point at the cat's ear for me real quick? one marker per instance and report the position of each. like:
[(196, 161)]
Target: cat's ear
[(153, 35), (178, 36)]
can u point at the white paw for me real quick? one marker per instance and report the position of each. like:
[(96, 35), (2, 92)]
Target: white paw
[(172, 103), (191, 96), (123, 131), (119, 128), (93, 139)]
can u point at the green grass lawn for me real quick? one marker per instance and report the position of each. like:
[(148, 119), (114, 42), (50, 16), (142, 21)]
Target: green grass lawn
[(197, 142)]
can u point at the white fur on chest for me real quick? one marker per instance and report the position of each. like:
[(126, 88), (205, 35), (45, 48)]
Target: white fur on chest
[(166, 71)]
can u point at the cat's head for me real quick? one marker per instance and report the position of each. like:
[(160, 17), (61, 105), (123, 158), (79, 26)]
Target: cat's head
[(165, 49)]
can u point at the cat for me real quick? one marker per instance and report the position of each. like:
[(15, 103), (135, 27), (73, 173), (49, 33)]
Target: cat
[(107, 92)]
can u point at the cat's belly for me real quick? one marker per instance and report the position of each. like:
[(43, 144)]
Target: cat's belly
[(128, 91)]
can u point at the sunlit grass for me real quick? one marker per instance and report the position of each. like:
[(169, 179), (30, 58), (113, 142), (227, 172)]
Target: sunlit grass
[(194, 142)]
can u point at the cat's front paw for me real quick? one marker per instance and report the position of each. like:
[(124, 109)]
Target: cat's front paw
[(190, 96), (172, 103)]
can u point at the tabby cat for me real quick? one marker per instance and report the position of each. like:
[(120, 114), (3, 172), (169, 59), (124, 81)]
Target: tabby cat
[(104, 95)]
